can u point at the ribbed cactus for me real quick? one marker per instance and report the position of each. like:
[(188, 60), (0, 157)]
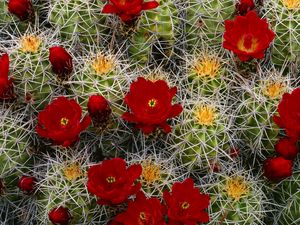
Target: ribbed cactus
[(78, 19), (205, 21), (255, 109), (284, 17), (33, 77), (154, 35)]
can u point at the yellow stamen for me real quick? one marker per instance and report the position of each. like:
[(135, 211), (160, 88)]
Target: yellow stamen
[(236, 188), (151, 172), (64, 121), (152, 102), (30, 44), (142, 216), (185, 205), (274, 89), (205, 115), (242, 45), (111, 180), (207, 67), (73, 172), (291, 4), (103, 64)]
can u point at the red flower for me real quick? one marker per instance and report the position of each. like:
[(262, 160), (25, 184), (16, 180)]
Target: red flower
[(142, 211), (151, 105), (112, 183), (27, 184), (61, 61), (60, 216), (21, 8), (289, 114), (185, 204), (287, 148), (60, 121), (6, 85), (247, 36), (244, 6), (99, 110), (128, 10), (278, 168)]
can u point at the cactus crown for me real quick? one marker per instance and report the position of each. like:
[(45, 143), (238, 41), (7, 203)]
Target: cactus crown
[(236, 188), (205, 115), (151, 172), (103, 64), (291, 4), (72, 172), (207, 66), (30, 43)]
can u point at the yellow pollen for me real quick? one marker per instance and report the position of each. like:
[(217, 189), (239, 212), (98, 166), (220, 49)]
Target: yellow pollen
[(207, 67), (152, 102), (291, 4), (151, 172), (274, 90), (73, 172), (241, 45), (103, 64), (236, 188), (185, 205), (205, 115), (64, 121), (142, 216), (111, 180), (30, 44)]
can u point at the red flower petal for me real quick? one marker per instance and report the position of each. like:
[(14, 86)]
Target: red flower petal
[(150, 5), (109, 9)]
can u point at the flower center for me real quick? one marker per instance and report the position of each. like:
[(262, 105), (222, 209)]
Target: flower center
[(30, 44), (207, 67), (236, 188), (151, 172), (73, 172), (185, 205), (102, 64), (205, 115), (143, 216), (111, 180), (247, 43), (152, 103), (274, 90), (291, 4), (64, 121)]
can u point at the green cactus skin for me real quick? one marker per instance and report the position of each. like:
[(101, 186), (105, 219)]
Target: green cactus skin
[(80, 19), (287, 196), (33, 77), (205, 21), (155, 29), (285, 24)]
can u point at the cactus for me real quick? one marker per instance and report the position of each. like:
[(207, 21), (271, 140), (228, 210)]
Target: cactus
[(256, 107), (78, 20), (205, 21), (33, 77), (284, 16), (155, 33)]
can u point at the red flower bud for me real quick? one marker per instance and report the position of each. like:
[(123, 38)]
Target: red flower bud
[(244, 6), (287, 148), (27, 184), (60, 216), (278, 168), (21, 8), (61, 61), (6, 85)]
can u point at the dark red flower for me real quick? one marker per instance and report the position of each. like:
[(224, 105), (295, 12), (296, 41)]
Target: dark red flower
[(61, 122), (289, 114), (6, 85), (21, 8), (128, 10), (60, 216), (99, 110), (247, 36), (142, 211), (186, 205), (278, 168), (112, 182), (27, 184), (287, 148), (244, 6), (151, 105), (61, 60)]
